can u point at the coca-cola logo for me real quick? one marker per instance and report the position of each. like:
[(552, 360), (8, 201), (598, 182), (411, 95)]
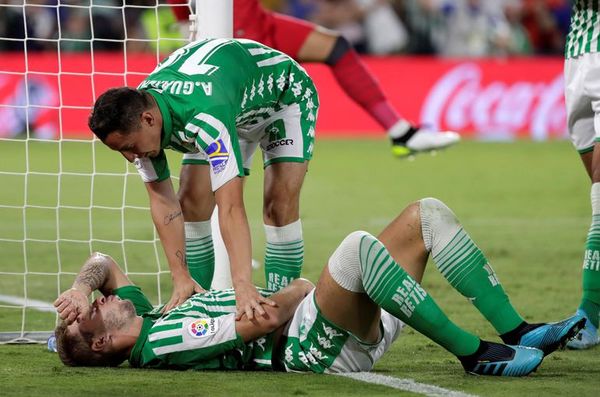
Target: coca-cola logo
[(460, 101)]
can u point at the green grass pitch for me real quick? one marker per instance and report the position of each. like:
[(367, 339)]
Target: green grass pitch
[(526, 205)]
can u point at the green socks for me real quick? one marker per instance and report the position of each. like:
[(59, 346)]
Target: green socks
[(200, 252), (396, 292), (590, 300), (284, 254), (465, 267)]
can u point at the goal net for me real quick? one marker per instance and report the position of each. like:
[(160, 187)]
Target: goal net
[(62, 193)]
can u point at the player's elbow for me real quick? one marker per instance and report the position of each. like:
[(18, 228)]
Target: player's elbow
[(100, 258)]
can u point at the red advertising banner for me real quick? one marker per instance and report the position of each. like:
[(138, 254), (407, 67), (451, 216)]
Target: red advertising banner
[(483, 99)]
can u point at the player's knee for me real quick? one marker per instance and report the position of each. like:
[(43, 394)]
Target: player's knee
[(344, 263), (281, 212), (340, 48), (436, 209), (436, 218), (195, 205)]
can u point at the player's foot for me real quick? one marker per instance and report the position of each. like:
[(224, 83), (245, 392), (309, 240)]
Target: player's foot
[(552, 336), (587, 337), (502, 360), (417, 140)]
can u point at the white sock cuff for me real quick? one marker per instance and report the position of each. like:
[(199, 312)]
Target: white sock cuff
[(197, 229), (438, 224), (284, 234), (344, 263), (400, 128), (596, 199)]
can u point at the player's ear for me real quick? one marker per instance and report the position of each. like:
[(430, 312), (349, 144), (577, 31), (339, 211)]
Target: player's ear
[(148, 118), (100, 342)]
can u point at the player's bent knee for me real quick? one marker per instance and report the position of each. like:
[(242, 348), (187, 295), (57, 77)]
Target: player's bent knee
[(340, 48), (436, 219), (281, 212), (344, 263)]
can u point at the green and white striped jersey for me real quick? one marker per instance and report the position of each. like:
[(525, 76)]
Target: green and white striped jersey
[(198, 334), (209, 90), (584, 32)]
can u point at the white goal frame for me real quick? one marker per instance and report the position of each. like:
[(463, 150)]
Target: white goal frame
[(213, 18)]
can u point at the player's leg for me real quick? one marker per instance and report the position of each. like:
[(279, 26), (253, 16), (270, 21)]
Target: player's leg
[(582, 99), (589, 306), (403, 239), (287, 145), (361, 273), (197, 204), (284, 252), (467, 269), (311, 43)]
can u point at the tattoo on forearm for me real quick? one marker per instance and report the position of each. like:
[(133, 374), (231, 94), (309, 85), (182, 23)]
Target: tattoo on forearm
[(93, 274), (182, 259), (169, 218)]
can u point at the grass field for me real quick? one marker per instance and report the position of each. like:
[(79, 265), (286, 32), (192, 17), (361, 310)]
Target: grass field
[(525, 204)]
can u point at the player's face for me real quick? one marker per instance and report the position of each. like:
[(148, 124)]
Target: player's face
[(141, 142), (107, 314)]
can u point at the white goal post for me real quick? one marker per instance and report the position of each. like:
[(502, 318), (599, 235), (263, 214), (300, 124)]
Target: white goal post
[(62, 193)]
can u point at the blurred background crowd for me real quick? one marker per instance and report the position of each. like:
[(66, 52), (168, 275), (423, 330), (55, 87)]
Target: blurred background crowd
[(449, 28)]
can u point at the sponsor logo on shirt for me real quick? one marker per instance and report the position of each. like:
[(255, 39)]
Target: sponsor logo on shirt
[(203, 327), (217, 155)]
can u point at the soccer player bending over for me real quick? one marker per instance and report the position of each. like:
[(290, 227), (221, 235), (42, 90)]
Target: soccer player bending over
[(217, 101), (366, 293)]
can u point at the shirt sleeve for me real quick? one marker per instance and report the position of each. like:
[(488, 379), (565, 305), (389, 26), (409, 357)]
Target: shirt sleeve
[(194, 342), (153, 169), (219, 140)]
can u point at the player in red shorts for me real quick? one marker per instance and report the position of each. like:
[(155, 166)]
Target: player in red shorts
[(307, 42)]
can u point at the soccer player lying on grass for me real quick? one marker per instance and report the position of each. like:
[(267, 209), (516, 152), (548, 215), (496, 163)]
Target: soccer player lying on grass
[(345, 324)]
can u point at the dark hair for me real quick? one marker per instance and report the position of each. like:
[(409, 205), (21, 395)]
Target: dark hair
[(76, 350), (118, 109)]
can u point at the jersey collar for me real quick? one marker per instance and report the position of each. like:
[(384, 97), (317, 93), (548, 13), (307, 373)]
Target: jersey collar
[(167, 129), (135, 358)]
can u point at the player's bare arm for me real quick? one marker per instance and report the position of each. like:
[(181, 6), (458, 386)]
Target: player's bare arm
[(99, 272), (168, 220), (236, 236), (286, 299)]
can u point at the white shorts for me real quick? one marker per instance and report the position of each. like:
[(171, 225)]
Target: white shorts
[(314, 344), (582, 98), (285, 136)]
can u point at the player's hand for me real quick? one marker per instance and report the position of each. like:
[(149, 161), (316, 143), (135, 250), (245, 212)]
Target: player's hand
[(72, 305), (183, 288), (249, 301)]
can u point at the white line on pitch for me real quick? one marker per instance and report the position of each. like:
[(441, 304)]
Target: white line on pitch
[(404, 384), (30, 303)]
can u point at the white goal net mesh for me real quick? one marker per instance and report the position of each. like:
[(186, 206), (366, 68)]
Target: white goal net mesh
[(62, 193)]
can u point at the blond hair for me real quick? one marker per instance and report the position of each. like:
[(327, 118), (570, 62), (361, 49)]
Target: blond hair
[(75, 350)]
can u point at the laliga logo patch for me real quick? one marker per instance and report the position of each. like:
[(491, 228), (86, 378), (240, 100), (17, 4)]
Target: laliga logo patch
[(217, 155), (203, 327)]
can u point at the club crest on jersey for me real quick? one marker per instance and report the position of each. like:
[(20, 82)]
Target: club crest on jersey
[(203, 327), (217, 155)]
